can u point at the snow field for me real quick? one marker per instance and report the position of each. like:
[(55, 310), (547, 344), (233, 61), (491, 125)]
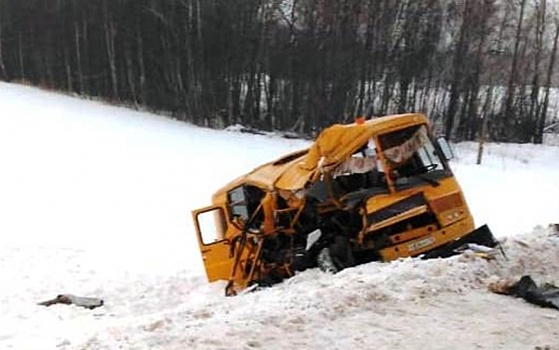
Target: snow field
[(95, 201)]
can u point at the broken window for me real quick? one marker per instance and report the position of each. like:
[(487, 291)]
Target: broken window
[(412, 156), (244, 204), (362, 170)]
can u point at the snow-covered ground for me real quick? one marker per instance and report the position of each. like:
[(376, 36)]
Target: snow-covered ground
[(96, 200)]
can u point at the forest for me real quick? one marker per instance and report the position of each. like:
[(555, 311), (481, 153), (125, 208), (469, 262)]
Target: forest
[(475, 67)]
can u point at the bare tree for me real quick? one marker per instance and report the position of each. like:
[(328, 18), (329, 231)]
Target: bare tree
[(548, 83), (110, 32), (2, 66)]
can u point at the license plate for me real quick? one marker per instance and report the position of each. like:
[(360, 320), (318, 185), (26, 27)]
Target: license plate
[(422, 243)]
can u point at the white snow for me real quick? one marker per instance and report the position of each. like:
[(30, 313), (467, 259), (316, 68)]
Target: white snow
[(95, 201)]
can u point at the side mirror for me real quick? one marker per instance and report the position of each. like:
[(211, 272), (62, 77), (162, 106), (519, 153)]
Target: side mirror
[(445, 148)]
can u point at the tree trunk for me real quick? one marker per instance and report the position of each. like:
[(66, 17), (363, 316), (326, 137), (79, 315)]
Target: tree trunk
[(2, 66), (458, 70), (513, 76), (535, 89), (130, 74), (20, 56), (78, 56), (141, 67), (550, 68), (110, 43), (69, 79)]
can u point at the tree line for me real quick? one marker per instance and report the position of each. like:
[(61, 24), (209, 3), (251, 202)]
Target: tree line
[(473, 66)]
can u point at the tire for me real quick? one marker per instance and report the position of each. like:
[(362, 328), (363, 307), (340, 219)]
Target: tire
[(336, 257), (325, 262)]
